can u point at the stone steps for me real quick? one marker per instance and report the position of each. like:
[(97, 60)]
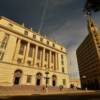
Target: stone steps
[(27, 90)]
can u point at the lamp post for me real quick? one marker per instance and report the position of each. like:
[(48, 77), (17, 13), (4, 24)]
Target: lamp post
[(46, 80)]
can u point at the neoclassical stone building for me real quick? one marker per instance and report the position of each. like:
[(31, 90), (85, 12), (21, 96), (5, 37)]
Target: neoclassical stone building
[(28, 58)]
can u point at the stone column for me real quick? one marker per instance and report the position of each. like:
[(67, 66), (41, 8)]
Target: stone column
[(34, 79), (43, 58), (49, 59), (43, 80), (53, 58), (57, 62), (16, 50), (36, 52), (26, 53), (33, 56)]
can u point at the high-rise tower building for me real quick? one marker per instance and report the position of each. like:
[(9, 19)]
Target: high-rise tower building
[(88, 56)]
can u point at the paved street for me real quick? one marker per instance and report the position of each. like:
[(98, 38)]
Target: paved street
[(91, 96)]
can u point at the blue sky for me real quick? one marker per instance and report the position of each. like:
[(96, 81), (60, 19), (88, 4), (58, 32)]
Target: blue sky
[(64, 21)]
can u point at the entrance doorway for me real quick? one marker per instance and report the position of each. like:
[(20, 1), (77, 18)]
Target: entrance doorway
[(54, 83), (38, 79), (54, 80), (38, 82), (17, 77)]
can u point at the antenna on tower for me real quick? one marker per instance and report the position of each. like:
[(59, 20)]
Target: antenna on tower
[(43, 16)]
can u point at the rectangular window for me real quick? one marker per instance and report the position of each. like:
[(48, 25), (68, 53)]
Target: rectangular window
[(48, 42), (38, 65), (19, 60), (29, 62), (4, 41), (30, 51), (64, 81), (63, 70), (61, 48), (52, 57), (40, 51), (29, 78), (61, 56), (62, 62), (62, 59), (22, 47), (1, 55), (26, 33), (34, 36), (38, 55), (41, 39), (46, 55), (53, 45)]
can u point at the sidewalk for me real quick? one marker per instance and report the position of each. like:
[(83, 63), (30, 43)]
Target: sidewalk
[(29, 93), (33, 90)]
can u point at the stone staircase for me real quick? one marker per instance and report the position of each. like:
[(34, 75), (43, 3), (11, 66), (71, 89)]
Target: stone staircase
[(28, 90)]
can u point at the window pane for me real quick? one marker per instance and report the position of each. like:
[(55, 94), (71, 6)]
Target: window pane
[(30, 51), (29, 78), (26, 33), (64, 81), (22, 48), (1, 55), (34, 36), (63, 69)]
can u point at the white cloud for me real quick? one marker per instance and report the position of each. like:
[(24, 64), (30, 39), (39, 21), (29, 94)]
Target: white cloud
[(71, 36)]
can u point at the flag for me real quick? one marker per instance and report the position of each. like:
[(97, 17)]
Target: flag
[(92, 6)]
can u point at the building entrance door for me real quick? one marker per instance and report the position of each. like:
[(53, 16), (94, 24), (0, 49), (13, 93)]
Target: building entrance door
[(54, 79), (54, 83), (38, 79), (38, 82), (16, 82), (17, 77)]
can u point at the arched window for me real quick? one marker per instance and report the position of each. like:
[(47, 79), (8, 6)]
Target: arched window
[(17, 77)]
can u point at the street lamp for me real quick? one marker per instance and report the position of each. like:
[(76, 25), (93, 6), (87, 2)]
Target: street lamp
[(46, 78), (84, 77)]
